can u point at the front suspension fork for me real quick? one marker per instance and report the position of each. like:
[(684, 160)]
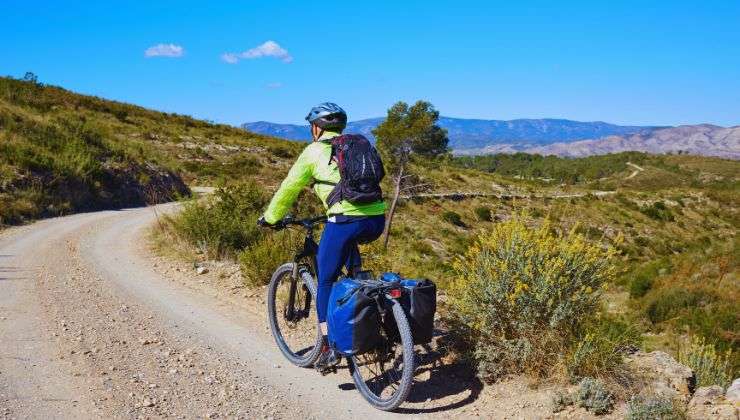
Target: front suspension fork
[(296, 279)]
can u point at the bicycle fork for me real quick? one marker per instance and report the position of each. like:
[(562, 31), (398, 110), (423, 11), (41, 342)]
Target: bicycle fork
[(291, 313)]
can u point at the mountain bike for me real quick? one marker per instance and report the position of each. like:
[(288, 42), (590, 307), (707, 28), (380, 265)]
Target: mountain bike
[(384, 375)]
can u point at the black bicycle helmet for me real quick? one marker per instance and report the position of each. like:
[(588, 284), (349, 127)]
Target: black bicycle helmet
[(328, 116)]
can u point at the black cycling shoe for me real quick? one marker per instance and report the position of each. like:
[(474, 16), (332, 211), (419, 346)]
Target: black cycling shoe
[(327, 361)]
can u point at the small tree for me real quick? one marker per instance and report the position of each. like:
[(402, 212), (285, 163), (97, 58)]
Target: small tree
[(31, 77), (406, 130)]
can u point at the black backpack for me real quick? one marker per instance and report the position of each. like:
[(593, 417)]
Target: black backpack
[(360, 168)]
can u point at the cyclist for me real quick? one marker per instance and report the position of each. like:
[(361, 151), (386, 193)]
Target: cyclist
[(348, 224)]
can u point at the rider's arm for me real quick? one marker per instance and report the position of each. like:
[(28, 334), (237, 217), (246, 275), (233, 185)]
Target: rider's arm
[(298, 177)]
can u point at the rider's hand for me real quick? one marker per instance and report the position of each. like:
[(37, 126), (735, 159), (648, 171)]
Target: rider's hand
[(264, 223)]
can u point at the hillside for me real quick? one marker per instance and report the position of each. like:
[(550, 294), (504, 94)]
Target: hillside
[(477, 133), (61, 152), (704, 139)]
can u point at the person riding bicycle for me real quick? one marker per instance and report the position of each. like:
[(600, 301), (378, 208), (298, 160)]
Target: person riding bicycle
[(348, 224)]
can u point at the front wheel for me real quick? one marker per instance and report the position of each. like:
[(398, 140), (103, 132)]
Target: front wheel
[(292, 316), (384, 376)]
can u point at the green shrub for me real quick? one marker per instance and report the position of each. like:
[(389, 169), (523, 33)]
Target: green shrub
[(642, 241), (658, 211), (560, 401), (483, 213), (642, 278), (453, 218), (225, 222), (599, 352), (524, 295), (260, 259), (593, 396), (591, 232), (710, 367), (653, 408), (422, 247), (121, 114), (640, 285), (269, 249), (670, 302), (536, 212), (282, 151)]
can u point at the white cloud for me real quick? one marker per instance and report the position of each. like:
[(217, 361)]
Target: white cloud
[(274, 85), (268, 49), (230, 58), (164, 50)]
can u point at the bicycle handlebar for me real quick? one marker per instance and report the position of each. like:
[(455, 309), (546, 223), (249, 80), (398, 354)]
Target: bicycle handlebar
[(307, 223)]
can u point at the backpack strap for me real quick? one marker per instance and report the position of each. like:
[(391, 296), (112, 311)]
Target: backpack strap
[(332, 155), (339, 156)]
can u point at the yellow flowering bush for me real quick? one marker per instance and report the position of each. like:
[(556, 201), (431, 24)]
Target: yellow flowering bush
[(525, 294), (710, 366)]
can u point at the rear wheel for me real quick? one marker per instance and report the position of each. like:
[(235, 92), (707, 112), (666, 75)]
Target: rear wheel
[(384, 376), (293, 321)]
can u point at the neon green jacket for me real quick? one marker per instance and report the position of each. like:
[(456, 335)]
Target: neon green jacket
[(314, 164)]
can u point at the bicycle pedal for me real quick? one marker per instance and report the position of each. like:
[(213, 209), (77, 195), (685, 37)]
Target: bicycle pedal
[(327, 370)]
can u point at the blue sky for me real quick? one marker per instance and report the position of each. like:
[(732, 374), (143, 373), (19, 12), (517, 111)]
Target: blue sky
[(627, 62)]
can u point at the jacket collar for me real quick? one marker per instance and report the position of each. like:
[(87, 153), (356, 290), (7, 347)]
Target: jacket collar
[(328, 135)]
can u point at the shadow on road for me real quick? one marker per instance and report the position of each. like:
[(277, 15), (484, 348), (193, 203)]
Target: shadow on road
[(447, 385), (438, 386)]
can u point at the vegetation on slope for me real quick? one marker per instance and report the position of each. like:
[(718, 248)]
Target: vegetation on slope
[(552, 168), (62, 152)]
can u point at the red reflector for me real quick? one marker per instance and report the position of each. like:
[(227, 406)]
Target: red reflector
[(395, 293)]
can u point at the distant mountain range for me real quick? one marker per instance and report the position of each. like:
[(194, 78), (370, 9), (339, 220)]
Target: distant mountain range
[(703, 139), (552, 136), (472, 134)]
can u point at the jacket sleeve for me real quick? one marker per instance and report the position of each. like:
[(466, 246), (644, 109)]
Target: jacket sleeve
[(298, 177)]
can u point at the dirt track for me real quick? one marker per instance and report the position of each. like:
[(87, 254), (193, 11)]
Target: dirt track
[(91, 327)]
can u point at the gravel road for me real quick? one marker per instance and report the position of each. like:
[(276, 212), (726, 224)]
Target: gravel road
[(89, 329)]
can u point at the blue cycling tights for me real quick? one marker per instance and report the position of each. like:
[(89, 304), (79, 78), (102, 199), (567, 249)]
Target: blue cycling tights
[(338, 247)]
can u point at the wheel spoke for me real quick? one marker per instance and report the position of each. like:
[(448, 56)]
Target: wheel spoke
[(295, 331), (381, 372), (384, 376)]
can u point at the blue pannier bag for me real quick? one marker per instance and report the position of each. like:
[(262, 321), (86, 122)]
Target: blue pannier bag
[(353, 317), (419, 305)]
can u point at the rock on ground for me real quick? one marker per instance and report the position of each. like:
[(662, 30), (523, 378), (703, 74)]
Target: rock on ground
[(664, 375), (733, 392), (709, 403)]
